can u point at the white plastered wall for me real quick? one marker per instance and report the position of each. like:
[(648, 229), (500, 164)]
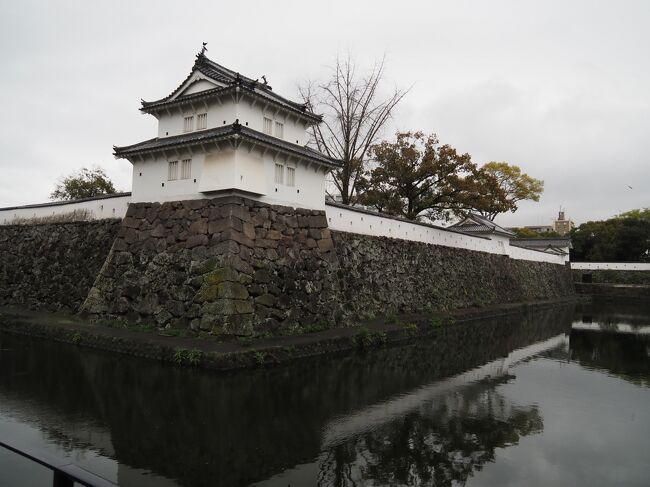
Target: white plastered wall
[(611, 266), (253, 116), (151, 179), (252, 173), (217, 114), (99, 209), (347, 220)]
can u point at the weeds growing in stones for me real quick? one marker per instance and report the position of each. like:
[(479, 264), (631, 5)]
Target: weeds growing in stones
[(259, 357), (366, 339), (411, 328), (182, 356)]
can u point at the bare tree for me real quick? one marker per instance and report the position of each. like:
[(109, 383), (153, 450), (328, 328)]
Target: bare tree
[(354, 111)]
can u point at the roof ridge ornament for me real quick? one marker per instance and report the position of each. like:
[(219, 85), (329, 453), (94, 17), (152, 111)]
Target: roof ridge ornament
[(203, 49)]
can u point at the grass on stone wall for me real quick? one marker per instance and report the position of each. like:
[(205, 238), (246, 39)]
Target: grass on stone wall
[(81, 215)]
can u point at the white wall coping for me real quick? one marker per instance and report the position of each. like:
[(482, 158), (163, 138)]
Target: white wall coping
[(67, 202), (339, 217), (611, 266), (350, 219), (98, 207)]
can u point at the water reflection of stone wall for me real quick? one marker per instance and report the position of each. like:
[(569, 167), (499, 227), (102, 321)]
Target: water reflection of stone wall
[(613, 276), (625, 355), (205, 429)]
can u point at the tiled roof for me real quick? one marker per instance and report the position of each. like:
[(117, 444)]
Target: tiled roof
[(221, 133), (474, 223), (542, 242), (233, 81)]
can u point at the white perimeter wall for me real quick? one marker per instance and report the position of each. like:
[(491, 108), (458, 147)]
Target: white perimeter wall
[(611, 266), (100, 208), (344, 220), (354, 221)]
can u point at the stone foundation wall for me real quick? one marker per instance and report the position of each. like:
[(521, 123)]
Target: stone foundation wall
[(613, 276), (228, 265), (236, 266), (54, 265), (383, 276)]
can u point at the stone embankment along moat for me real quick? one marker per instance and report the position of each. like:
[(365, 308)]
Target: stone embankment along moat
[(227, 353), (236, 266)]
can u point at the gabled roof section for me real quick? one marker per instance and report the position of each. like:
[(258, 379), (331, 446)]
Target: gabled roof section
[(550, 246), (233, 131), (227, 81), (474, 223)]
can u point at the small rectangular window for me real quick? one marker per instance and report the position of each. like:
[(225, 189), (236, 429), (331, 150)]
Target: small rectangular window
[(268, 126), (291, 176), (188, 125), (172, 173), (279, 129), (201, 121), (279, 174), (186, 169)]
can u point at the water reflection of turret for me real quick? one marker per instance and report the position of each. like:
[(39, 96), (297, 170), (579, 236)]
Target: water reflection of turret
[(443, 442), (201, 428)]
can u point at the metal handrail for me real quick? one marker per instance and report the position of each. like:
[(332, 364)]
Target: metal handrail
[(65, 472)]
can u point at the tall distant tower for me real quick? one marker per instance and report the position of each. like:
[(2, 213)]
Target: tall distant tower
[(221, 133), (562, 225)]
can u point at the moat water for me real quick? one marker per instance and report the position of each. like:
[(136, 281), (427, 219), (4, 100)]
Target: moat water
[(560, 397)]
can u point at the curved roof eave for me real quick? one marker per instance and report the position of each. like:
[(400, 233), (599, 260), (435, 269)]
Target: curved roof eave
[(158, 145)]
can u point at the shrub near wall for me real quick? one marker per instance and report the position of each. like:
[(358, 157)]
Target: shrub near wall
[(54, 265), (381, 275)]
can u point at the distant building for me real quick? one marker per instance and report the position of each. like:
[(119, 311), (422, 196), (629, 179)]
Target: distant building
[(562, 225), (540, 228)]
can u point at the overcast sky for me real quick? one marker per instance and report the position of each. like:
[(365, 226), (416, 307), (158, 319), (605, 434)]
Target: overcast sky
[(561, 88)]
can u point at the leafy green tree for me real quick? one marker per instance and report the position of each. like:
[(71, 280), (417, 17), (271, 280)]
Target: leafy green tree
[(84, 184), (620, 239), (641, 214), (529, 233), (516, 185), (415, 177)]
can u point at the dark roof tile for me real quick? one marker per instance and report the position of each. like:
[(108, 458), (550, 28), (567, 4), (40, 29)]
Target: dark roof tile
[(221, 133), (232, 80)]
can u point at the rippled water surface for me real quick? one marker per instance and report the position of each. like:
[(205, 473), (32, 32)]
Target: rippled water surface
[(558, 397)]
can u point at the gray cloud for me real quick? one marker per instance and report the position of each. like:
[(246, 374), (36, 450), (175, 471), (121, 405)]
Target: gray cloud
[(559, 88)]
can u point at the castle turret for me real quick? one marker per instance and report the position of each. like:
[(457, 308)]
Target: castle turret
[(221, 132)]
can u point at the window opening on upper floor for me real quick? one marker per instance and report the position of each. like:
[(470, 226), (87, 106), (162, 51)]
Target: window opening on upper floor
[(279, 129), (201, 121), (188, 123), (268, 126)]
